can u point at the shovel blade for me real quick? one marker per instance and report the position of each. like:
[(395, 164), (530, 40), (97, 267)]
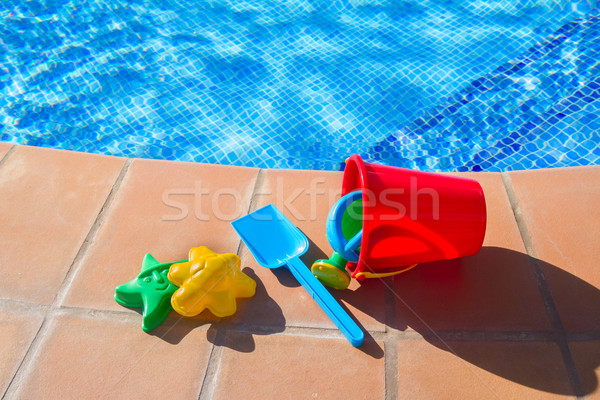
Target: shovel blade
[(272, 238)]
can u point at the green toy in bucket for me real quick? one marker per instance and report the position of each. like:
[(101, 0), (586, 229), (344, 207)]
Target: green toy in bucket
[(332, 272)]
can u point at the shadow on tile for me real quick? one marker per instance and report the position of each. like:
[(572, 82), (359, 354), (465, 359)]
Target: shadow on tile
[(370, 346), (587, 355), (483, 293), (243, 342), (176, 327), (313, 253)]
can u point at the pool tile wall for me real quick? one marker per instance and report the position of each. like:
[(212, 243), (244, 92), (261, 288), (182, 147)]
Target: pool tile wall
[(457, 85)]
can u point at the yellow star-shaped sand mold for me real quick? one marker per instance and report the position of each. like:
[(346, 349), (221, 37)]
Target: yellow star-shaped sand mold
[(209, 280)]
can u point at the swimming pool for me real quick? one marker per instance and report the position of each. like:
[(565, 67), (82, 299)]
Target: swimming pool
[(445, 85)]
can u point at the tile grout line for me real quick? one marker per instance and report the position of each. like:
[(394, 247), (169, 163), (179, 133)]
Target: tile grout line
[(213, 367), (583, 336), (30, 356), (550, 305), (22, 307), (390, 346), (98, 315), (517, 213), (390, 362), (89, 239), (26, 362), (260, 178), (258, 183), (4, 159), (300, 331)]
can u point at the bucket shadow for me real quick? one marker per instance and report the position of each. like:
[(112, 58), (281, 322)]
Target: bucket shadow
[(176, 327), (494, 295)]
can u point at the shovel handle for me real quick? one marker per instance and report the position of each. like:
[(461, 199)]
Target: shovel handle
[(326, 301)]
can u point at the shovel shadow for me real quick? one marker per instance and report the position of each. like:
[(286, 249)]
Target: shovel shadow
[(370, 346)]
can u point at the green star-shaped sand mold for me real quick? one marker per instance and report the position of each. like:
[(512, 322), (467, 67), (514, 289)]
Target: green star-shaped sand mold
[(151, 291)]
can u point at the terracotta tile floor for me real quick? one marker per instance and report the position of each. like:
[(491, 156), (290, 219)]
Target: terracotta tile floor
[(521, 319)]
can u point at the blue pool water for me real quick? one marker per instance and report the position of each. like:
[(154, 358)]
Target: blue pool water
[(436, 85)]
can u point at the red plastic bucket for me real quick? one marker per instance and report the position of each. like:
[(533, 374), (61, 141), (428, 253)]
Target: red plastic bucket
[(413, 217)]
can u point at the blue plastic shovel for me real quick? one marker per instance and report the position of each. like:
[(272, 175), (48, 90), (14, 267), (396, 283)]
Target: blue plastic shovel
[(274, 241)]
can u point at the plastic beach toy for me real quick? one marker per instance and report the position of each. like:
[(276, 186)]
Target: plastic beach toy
[(209, 280), (344, 225), (408, 217), (151, 291), (332, 272), (275, 242), (344, 232)]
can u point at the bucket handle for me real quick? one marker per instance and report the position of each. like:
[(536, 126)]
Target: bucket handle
[(367, 274), (335, 236)]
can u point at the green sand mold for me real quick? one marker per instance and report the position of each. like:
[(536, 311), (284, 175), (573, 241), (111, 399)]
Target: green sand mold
[(151, 291)]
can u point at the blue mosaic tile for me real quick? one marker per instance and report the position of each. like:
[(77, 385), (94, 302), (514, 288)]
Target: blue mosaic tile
[(461, 85), (561, 108)]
